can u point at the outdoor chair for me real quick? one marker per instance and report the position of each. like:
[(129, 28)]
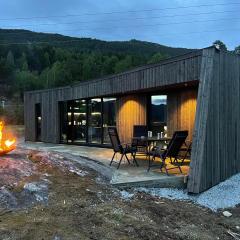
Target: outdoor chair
[(140, 131), (172, 151), (186, 151), (122, 149)]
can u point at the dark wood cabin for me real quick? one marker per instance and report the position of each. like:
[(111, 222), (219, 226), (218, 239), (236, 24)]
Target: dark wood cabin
[(198, 92)]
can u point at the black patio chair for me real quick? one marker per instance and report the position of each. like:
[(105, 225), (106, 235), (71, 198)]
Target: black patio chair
[(141, 144), (122, 149), (186, 150), (172, 151)]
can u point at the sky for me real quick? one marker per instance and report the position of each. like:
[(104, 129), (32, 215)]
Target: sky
[(176, 23)]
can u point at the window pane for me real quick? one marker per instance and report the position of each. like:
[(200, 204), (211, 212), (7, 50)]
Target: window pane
[(38, 119), (79, 120), (63, 122), (109, 116), (95, 121), (158, 113)]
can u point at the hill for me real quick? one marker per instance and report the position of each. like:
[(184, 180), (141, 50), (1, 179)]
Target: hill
[(31, 60), (9, 36)]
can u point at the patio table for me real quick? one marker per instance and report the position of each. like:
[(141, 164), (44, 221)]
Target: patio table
[(151, 140)]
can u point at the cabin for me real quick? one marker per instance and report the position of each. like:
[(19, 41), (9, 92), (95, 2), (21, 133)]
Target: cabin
[(198, 92)]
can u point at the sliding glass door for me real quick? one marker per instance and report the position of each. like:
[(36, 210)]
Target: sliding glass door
[(95, 120), (109, 117), (86, 121), (79, 121)]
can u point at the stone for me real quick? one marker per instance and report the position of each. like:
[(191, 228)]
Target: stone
[(227, 214)]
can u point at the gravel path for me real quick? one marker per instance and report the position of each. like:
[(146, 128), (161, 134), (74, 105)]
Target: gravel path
[(223, 195)]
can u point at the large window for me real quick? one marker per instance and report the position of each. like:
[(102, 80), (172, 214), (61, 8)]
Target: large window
[(95, 120), (109, 116), (158, 113), (79, 121), (86, 121)]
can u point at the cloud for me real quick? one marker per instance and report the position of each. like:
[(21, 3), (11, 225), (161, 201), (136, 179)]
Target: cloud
[(155, 24)]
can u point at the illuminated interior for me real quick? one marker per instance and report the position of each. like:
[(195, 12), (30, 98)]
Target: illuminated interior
[(86, 121)]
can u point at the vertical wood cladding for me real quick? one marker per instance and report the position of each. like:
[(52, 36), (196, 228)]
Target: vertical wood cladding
[(216, 154), (216, 132), (181, 110), (174, 71), (131, 110)]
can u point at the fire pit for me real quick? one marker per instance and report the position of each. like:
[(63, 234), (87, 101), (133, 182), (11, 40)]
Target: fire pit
[(7, 143)]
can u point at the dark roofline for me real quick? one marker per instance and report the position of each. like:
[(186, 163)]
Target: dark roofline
[(143, 67)]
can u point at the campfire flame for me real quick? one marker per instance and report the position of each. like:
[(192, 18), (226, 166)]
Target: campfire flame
[(6, 144)]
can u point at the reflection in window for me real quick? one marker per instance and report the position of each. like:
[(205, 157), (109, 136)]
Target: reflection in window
[(63, 122), (109, 116), (86, 121), (38, 119), (95, 120), (79, 120), (158, 113)]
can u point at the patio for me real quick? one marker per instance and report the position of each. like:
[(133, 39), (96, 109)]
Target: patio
[(127, 176)]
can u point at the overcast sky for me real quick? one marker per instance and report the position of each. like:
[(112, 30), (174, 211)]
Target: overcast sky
[(172, 23)]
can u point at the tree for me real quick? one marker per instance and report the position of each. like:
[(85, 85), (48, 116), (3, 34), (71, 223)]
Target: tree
[(23, 64), (46, 59), (237, 50), (124, 64), (220, 45), (157, 58), (10, 59)]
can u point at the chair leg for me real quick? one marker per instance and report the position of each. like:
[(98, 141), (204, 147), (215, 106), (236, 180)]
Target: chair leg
[(178, 165), (149, 163), (112, 159), (127, 158), (164, 165), (185, 156), (134, 159), (120, 161)]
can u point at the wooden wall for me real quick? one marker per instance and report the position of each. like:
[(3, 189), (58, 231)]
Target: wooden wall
[(216, 152), (174, 71), (131, 110), (216, 135), (181, 110)]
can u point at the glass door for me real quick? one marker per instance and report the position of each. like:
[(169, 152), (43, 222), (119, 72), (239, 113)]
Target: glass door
[(79, 121), (38, 120), (64, 126), (95, 120), (109, 117)]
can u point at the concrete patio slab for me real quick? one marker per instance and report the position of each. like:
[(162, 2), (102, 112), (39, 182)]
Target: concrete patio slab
[(125, 177)]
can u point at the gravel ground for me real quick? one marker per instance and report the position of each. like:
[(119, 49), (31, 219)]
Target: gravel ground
[(223, 195), (48, 196)]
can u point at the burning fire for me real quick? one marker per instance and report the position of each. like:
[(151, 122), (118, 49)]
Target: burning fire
[(6, 145)]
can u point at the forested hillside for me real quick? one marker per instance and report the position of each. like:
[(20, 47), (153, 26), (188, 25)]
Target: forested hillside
[(30, 60)]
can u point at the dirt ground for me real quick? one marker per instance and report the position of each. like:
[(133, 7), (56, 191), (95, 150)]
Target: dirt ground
[(46, 196)]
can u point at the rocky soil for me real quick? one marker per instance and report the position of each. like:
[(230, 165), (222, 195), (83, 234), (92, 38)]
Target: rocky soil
[(47, 196)]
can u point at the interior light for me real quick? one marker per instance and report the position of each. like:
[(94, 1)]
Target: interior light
[(95, 113)]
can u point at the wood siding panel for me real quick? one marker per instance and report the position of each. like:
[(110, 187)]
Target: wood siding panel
[(146, 78), (131, 110), (181, 110), (215, 154)]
